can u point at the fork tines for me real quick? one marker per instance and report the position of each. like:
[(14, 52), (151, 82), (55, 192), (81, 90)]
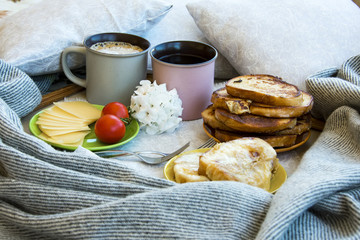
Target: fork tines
[(209, 143)]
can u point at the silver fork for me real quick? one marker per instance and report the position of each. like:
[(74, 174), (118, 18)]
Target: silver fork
[(141, 154), (209, 143)]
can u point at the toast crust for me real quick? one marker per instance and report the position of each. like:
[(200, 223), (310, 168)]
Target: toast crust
[(303, 124), (253, 123), (208, 116), (265, 89), (273, 140)]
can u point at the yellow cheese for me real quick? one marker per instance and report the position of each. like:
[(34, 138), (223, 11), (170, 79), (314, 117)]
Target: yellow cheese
[(80, 109), (59, 123), (54, 132), (59, 113), (72, 142), (66, 123), (46, 116), (72, 137), (73, 127)]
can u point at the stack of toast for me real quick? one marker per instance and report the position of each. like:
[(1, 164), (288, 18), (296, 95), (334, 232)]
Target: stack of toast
[(262, 106)]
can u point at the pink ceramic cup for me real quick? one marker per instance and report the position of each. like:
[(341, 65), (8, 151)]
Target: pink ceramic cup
[(188, 67)]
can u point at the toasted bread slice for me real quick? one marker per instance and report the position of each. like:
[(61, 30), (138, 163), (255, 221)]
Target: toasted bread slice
[(249, 160), (283, 111), (303, 124), (273, 140), (221, 99), (253, 123), (186, 168), (265, 89), (208, 116)]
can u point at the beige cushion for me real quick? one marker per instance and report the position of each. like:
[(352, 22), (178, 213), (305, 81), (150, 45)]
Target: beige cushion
[(33, 39), (179, 25), (288, 38)]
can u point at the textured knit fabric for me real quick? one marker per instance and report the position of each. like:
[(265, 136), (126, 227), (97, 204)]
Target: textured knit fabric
[(51, 194), (334, 88), (44, 82), (18, 90)]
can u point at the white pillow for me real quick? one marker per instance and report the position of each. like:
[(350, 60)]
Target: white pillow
[(33, 38), (179, 25), (291, 39)]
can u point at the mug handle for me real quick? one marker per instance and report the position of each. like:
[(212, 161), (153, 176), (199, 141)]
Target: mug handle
[(74, 49)]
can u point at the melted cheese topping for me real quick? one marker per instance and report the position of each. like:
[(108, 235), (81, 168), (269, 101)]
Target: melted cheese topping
[(238, 106), (186, 168), (247, 160)]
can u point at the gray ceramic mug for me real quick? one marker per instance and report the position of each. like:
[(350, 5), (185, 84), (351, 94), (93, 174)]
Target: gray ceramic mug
[(109, 77)]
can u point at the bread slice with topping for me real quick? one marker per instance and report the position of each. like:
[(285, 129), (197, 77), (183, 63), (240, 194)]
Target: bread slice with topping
[(303, 123), (253, 123), (249, 160), (221, 99), (265, 89), (283, 111), (186, 168)]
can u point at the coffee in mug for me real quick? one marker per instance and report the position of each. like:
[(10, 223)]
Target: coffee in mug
[(182, 59), (115, 65), (116, 47)]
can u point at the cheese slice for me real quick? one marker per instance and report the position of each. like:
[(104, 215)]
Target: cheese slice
[(73, 127), (72, 137), (80, 109), (55, 132), (54, 123), (66, 123), (67, 139), (59, 113), (46, 116)]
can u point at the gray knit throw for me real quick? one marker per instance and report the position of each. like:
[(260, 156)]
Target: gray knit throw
[(52, 194)]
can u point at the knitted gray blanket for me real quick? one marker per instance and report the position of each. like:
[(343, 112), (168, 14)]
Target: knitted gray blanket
[(51, 194)]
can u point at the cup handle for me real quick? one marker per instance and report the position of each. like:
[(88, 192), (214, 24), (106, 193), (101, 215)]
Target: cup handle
[(74, 49)]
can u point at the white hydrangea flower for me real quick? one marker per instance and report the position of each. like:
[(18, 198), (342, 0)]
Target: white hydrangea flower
[(156, 109)]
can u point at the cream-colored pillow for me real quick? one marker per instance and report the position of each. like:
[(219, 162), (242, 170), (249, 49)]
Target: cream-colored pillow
[(32, 39), (291, 39), (179, 25)]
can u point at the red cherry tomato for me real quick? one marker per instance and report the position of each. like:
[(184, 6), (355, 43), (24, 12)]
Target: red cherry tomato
[(115, 108), (109, 129)]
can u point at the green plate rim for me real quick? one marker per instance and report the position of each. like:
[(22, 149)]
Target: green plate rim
[(134, 125)]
